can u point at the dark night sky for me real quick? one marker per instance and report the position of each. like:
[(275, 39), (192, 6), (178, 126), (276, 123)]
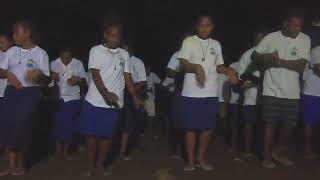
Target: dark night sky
[(152, 26)]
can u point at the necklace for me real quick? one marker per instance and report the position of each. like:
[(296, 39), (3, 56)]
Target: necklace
[(22, 57), (204, 53), (115, 60)]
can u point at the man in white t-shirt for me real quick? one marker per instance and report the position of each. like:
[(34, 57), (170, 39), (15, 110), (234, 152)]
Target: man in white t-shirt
[(132, 117), (201, 59), (250, 75), (311, 99), (69, 75), (5, 43), (284, 55)]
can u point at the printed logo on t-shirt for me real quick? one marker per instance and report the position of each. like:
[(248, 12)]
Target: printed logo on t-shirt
[(212, 51), (122, 62), (31, 63), (294, 51)]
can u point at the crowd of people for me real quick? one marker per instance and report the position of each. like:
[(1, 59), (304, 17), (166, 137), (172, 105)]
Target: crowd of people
[(274, 82)]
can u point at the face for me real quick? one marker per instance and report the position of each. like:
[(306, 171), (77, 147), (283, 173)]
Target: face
[(113, 36), (258, 38), (21, 34), (293, 26), (4, 43), (204, 27), (66, 57)]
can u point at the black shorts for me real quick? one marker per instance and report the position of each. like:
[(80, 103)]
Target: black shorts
[(279, 110)]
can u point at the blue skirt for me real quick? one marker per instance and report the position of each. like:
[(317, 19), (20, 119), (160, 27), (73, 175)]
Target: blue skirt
[(197, 113), (97, 121), (311, 113), (65, 119), (19, 110)]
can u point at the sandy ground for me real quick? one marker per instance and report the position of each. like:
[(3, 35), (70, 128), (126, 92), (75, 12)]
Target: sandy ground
[(156, 160)]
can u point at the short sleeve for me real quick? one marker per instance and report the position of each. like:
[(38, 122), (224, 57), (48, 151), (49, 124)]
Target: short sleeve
[(94, 61), (174, 63), (167, 82), (4, 63), (44, 67), (186, 50), (315, 56), (82, 72), (142, 76), (244, 62), (220, 60), (262, 47), (156, 79)]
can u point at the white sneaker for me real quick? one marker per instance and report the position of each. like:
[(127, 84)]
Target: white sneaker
[(268, 164), (205, 166), (281, 159), (189, 168)]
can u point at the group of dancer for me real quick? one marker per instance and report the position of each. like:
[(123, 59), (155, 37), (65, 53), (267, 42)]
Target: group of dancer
[(117, 92)]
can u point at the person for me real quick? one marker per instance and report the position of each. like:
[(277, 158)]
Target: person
[(234, 110), (149, 104), (5, 44), (201, 59), (130, 115), (110, 71), (311, 91), (26, 67), (69, 75), (250, 77), (283, 55)]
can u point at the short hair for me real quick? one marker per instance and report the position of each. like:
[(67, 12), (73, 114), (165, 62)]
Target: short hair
[(294, 12), (111, 19), (203, 15), (31, 26), (66, 49)]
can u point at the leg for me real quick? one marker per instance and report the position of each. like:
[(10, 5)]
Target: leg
[(190, 147), (268, 142), (248, 131), (204, 142), (92, 151), (124, 144), (234, 139), (308, 140), (285, 139), (66, 151), (104, 145)]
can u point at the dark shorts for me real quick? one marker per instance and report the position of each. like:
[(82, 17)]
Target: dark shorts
[(235, 116), (19, 111), (198, 113), (280, 110), (65, 120), (98, 121), (249, 114), (311, 109)]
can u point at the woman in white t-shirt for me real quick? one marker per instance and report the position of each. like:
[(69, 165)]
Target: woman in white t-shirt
[(201, 59), (99, 119), (26, 67), (69, 75)]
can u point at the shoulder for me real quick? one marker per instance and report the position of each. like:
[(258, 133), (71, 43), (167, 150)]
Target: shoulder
[(215, 43), (12, 50), (304, 37), (96, 48), (124, 53)]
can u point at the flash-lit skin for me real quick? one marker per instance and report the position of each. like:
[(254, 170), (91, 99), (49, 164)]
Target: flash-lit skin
[(292, 27), (113, 37), (204, 27)]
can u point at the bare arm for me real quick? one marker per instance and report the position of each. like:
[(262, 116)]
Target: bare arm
[(3, 74), (293, 65), (188, 67), (230, 72), (131, 90)]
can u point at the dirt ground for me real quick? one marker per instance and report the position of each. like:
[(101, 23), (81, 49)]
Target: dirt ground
[(155, 162)]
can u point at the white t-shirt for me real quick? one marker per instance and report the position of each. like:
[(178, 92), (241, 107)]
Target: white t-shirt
[(222, 79), (138, 70), (3, 82), (19, 61), (152, 79), (250, 95), (169, 81), (174, 62), (208, 54), (281, 82), (112, 63), (74, 68), (234, 99), (89, 77), (312, 81)]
